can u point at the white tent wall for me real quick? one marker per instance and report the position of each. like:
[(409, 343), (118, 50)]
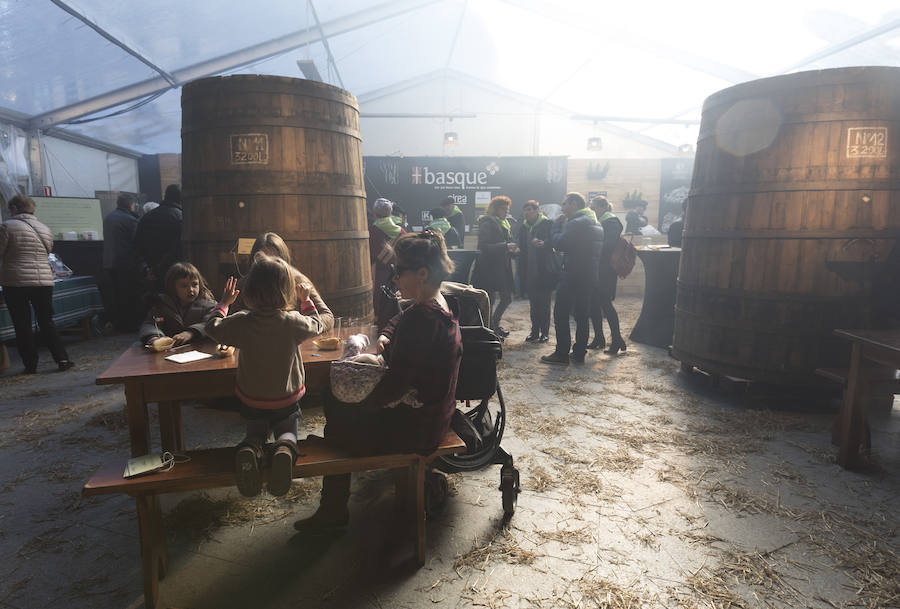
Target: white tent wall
[(505, 124), (74, 170), (13, 162)]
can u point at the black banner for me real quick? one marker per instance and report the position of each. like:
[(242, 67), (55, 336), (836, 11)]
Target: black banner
[(674, 184), (419, 184)]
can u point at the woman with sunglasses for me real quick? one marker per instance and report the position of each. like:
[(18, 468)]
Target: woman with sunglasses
[(423, 349)]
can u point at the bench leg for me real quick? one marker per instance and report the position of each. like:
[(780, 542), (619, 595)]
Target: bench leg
[(153, 546), (418, 470), (171, 427), (853, 416)]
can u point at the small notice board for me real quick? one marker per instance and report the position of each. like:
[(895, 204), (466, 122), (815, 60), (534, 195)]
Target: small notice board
[(70, 215)]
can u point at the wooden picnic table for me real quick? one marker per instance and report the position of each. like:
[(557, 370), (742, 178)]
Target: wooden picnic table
[(879, 347), (149, 377)]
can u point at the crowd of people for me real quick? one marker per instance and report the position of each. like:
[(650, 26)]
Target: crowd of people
[(571, 256), (268, 313)]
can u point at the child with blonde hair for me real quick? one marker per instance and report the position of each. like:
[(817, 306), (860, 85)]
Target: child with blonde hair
[(270, 375)]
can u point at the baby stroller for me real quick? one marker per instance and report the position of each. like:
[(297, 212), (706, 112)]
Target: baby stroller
[(480, 416)]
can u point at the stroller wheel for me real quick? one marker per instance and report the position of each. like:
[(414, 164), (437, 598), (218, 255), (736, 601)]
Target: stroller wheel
[(509, 486), (436, 491)]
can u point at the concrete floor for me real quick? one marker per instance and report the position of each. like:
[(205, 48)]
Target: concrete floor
[(641, 488)]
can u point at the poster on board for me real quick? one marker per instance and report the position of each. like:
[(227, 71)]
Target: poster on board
[(674, 185), (419, 184), (70, 218)]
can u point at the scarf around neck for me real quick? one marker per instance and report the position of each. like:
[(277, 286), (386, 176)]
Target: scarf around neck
[(541, 218), (387, 226), (440, 224), (586, 211), (503, 224), (606, 216), (454, 211)]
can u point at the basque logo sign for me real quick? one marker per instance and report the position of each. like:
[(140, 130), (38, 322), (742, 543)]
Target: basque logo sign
[(454, 179)]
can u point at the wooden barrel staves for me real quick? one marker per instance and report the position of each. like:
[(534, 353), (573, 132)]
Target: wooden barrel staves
[(268, 153), (793, 208)]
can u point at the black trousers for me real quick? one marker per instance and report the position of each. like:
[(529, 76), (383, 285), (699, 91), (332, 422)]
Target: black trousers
[(540, 311), (500, 305), (127, 308), (572, 299), (19, 301), (602, 306)]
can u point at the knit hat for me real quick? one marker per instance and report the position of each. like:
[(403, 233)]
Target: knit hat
[(382, 208)]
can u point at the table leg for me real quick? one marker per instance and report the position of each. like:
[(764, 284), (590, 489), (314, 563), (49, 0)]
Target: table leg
[(85, 324), (171, 427), (138, 419), (852, 416), (153, 546)]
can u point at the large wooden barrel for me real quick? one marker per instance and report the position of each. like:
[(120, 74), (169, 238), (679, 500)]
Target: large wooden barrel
[(268, 153), (793, 202)]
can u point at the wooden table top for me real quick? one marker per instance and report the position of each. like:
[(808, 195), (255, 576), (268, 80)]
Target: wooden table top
[(139, 363), (886, 339)]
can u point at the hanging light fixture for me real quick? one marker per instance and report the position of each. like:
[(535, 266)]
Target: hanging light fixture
[(595, 143), (686, 148), (451, 138)]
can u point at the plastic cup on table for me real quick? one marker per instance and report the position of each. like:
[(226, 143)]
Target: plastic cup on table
[(372, 333), (336, 330)]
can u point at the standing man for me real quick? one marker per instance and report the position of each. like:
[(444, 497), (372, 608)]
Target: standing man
[(158, 238), (636, 219), (577, 235), (455, 217), (440, 224), (121, 264), (536, 269)]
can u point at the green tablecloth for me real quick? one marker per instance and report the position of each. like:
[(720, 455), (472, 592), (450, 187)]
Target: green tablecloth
[(73, 299)]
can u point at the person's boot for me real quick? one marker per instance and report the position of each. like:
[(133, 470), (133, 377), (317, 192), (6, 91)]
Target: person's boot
[(617, 344), (599, 342), (281, 472), (247, 461), (532, 338), (332, 514), (556, 358)]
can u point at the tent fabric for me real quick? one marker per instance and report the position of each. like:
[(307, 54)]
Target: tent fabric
[(651, 60)]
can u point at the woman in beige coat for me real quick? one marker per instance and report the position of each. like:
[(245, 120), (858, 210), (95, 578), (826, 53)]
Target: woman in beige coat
[(27, 282)]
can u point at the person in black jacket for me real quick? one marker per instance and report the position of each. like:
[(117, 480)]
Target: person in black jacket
[(605, 293), (121, 264), (440, 224), (158, 238), (493, 268), (455, 217), (636, 219), (536, 269), (578, 236)]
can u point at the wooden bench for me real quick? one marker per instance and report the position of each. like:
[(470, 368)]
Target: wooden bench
[(879, 381), (214, 468)]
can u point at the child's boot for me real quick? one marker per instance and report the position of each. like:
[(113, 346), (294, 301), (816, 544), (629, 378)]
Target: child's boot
[(246, 468), (281, 473)]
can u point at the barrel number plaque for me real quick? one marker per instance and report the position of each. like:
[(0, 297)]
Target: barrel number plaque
[(866, 142), (250, 149)]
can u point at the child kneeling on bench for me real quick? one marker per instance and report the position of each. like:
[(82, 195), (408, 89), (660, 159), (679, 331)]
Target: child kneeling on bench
[(270, 370)]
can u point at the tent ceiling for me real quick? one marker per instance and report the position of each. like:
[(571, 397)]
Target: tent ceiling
[(112, 70)]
